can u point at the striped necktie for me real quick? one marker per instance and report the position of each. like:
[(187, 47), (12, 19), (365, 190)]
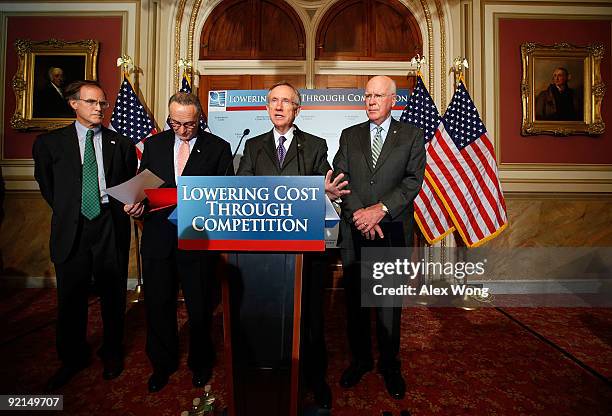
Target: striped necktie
[(376, 145), (90, 191), (280, 151)]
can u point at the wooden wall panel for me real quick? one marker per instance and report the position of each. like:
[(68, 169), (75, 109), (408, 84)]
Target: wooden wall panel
[(24, 240), (368, 30), (280, 36), (230, 33), (358, 81), (343, 31), (253, 29), (263, 82), (341, 81), (395, 32)]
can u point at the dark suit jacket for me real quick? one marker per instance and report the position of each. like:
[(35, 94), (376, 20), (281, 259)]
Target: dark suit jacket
[(58, 171), (210, 156), (395, 181), (260, 159), (48, 103)]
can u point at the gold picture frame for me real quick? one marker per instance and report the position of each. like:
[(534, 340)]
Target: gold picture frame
[(569, 103), (44, 68)]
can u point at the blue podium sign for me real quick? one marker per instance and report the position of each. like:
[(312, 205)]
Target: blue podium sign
[(251, 213)]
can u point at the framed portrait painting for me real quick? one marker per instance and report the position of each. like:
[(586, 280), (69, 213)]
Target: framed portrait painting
[(562, 89), (45, 68)]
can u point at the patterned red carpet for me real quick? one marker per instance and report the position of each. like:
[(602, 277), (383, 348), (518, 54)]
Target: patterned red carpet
[(484, 362)]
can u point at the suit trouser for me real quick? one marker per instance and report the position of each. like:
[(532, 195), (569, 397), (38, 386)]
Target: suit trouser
[(314, 358), (94, 253), (196, 272), (388, 320)]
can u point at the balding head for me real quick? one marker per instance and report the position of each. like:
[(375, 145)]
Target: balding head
[(380, 98)]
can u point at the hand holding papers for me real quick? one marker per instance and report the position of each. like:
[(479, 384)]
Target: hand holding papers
[(133, 191)]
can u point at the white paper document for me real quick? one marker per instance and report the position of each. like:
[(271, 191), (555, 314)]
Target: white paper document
[(132, 191)]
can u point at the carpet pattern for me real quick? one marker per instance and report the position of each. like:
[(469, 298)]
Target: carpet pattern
[(455, 362)]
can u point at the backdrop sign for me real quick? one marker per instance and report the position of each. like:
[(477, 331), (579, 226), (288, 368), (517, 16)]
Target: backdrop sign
[(325, 113), (255, 213)]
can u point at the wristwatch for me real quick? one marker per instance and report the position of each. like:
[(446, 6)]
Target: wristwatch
[(384, 208)]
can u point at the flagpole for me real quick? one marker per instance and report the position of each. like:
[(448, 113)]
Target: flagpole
[(125, 61)]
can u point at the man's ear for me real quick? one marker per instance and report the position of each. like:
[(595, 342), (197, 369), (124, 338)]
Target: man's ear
[(73, 104)]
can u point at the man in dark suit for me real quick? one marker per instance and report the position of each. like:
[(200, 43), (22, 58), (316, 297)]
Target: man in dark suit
[(49, 102), (384, 161), (90, 232), (287, 150), (182, 151)]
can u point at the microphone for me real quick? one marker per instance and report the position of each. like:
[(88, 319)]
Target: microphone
[(299, 150), (244, 134)]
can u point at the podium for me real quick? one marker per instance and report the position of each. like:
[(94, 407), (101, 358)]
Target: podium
[(261, 295), (263, 225)]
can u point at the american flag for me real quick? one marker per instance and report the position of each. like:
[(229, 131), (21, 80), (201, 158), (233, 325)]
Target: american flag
[(429, 212), (186, 87), (462, 166), (130, 117)]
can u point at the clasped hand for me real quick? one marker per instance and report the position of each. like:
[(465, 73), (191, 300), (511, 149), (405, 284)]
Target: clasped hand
[(366, 221)]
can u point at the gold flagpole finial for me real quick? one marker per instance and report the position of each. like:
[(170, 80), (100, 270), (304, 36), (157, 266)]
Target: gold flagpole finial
[(126, 62), (459, 65), (186, 66), (418, 61)]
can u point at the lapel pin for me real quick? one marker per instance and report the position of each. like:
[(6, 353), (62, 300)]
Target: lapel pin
[(394, 131), (198, 150), (112, 142)]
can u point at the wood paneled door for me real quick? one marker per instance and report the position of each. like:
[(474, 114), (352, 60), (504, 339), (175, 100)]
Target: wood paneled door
[(253, 29)]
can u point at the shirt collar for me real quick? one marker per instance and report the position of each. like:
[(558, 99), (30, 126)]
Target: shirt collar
[(288, 135), (385, 124), (191, 141), (82, 130)]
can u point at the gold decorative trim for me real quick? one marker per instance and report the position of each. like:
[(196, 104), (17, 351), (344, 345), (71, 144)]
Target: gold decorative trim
[(23, 82), (177, 41), (430, 52), (443, 71), (571, 196), (190, 35), (557, 181), (593, 90), (556, 167)]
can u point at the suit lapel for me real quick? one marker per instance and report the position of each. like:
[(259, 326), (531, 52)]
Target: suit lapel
[(73, 151), (292, 151), (166, 157), (269, 148), (108, 150), (364, 142), (389, 144)]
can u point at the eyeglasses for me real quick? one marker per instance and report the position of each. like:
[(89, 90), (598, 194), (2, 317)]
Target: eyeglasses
[(283, 101), (177, 124), (376, 97), (92, 103)]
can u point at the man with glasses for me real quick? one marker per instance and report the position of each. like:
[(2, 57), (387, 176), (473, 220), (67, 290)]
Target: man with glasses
[(90, 232), (287, 150), (384, 161), (182, 151)]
